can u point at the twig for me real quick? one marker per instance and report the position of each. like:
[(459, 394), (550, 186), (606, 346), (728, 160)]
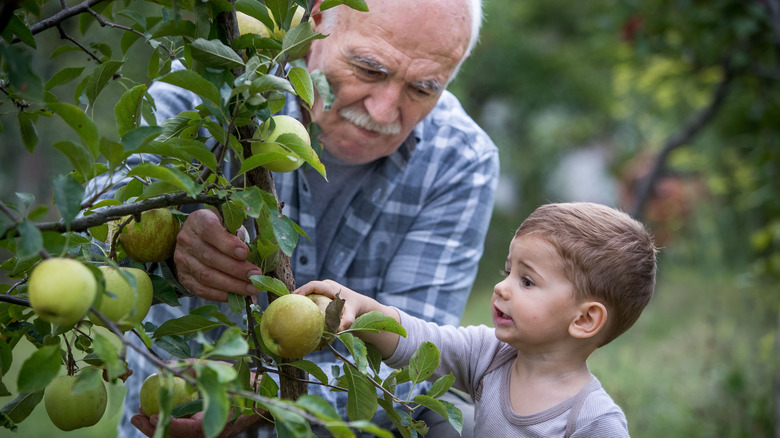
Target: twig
[(103, 23), (65, 36)]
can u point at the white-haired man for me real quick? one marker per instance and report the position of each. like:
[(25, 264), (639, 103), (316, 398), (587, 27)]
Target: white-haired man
[(411, 177)]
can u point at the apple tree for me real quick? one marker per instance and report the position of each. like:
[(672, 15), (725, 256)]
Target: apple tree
[(70, 291)]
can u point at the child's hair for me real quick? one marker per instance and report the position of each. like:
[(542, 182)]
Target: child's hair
[(608, 256)]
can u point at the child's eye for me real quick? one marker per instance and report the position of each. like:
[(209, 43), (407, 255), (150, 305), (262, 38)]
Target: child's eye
[(527, 282)]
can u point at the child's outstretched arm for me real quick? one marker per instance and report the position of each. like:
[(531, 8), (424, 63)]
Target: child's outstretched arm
[(355, 305)]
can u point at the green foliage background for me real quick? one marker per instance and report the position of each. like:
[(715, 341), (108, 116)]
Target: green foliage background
[(702, 361)]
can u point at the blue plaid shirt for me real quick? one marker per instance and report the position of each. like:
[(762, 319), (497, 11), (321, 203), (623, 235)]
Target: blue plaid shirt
[(411, 238)]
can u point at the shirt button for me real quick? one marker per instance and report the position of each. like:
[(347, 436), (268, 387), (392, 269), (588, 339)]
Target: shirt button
[(303, 260)]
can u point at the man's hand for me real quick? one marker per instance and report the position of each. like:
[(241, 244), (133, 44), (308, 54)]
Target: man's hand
[(193, 427), (210, 261)]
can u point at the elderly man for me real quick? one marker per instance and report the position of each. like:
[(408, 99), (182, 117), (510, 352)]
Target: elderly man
[(411, 176)]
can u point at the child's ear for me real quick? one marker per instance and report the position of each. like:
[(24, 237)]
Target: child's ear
[(315, 13), (591, 319)]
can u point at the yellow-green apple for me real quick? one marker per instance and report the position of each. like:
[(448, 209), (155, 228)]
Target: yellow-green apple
[(283, 124), (150, 393), (292, 326), (119, 307), (61, 290), (153, 239), (68, 410), (248, 24)]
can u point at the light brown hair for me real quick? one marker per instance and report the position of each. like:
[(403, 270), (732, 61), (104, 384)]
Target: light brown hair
[(607, 255)]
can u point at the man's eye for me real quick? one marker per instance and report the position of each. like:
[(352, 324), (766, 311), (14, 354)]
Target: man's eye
[(422, 92), (368, 73)]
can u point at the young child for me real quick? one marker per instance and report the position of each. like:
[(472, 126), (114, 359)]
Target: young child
[(577, 276)]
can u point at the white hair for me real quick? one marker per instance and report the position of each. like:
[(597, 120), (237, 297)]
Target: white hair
[(475, 12)]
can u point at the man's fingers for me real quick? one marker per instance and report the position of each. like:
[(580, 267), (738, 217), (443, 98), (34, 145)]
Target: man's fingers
[(208, 227), (211, 283)]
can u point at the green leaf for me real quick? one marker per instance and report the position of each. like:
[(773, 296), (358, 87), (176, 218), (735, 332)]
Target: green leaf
[(301, 82), (271, 82), (441, 385), (127, 111), (357, 348), (100, 77), (311, 368), (164, 291), (22, 406), (185, 325), (68, 194), (454, 415), (270, 284), (107, 352), (192, 81), (432, 404), (253, 199), (375, 320), (231, 343), (171, 176), (423, 362), (359, 5), (39, 369), (79, 122), (323, 88), (216, 406), (285, 232), (301, 147), (236, 303), (27, 130), (17, 27), (214, 53), (79, 156), (137, 138), (6, 357), (297, 41), (361, 396), (63, 77), (233, 215), (319, 407), (30, 241), (88, 378)]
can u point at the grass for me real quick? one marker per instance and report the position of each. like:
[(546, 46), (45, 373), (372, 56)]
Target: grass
[(702, 360)]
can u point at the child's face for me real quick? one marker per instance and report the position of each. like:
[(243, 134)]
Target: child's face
[(534, 305)]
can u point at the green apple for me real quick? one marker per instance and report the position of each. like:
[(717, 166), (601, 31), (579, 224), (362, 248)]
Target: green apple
[(120, 307), (292, 326), (283, 124), (61, 290), (153, 239), (150, 393), (69, 411), (248, 24)]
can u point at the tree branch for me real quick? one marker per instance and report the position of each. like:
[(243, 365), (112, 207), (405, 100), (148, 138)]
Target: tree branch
[(690, 130), (113, 212)]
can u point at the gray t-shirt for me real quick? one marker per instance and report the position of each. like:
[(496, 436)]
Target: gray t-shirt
[(482, 364)]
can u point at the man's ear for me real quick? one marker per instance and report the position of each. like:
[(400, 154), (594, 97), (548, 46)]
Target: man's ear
[(592, 317)]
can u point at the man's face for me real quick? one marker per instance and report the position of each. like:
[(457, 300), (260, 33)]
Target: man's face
[(387, 68)]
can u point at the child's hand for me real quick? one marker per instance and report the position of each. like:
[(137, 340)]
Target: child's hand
[(356, 304), (330, 288)]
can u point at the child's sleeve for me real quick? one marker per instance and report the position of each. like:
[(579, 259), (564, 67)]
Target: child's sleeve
[(466, 352)]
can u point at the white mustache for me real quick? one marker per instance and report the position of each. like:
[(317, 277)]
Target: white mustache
[(364, 120)]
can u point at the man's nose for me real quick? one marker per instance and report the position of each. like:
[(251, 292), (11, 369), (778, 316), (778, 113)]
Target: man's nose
[(384, 102)]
